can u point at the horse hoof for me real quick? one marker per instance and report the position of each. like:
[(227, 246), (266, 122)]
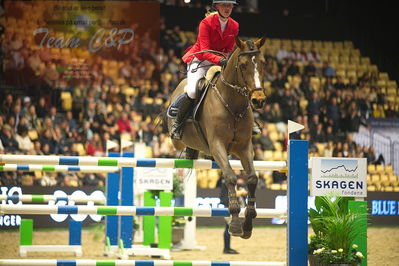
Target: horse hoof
[(235, 229), (246, 234)]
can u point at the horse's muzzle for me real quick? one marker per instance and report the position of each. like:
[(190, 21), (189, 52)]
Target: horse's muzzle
[(258, 99)]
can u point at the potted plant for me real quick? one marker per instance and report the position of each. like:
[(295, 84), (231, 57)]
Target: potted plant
[(335, 229)]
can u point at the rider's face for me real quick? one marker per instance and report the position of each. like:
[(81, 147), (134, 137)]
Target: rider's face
[(224, 9)]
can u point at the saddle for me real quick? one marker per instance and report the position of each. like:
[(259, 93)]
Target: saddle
[(202, 89)]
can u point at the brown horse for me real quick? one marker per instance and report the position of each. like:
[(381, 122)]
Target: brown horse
[(226, 120)]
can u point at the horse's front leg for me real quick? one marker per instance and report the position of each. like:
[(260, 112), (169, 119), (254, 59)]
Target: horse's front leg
[(246, 157), (219, 153)]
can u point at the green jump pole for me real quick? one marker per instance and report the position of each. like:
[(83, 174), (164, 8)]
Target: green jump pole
[(360, 207), (26, 232), (165, 222), (149, 221)]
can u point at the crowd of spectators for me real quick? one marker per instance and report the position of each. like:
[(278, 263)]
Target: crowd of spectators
[(110, 106)]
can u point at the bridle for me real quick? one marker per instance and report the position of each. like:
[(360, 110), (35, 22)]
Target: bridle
[(242, 90)]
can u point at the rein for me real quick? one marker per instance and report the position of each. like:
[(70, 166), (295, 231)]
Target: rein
[(241, 90)]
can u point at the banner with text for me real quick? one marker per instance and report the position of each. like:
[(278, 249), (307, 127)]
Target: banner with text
[(344, 177), (59, 44)]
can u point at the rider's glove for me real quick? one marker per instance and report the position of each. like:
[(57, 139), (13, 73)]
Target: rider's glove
[(223, 62)]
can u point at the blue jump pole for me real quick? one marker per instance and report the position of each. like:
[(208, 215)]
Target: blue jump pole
[(112, 192), (297, 203), (127, 199)]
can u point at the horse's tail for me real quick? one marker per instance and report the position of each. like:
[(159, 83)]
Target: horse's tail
[(162, 120)]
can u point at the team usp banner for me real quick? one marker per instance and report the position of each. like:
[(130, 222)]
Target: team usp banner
[(54, 43)]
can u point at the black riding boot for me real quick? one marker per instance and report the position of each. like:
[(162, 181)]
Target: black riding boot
[(185, 109)]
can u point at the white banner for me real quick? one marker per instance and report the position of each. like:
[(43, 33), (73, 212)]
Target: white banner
[(153, 178), (344, 177)]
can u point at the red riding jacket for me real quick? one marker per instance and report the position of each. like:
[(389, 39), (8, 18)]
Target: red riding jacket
[(210, 36)]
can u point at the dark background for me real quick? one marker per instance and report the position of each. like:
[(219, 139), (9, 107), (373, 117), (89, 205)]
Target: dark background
[(370, 25)]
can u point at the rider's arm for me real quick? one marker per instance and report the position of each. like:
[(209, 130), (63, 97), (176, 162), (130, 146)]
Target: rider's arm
[(204, 42)]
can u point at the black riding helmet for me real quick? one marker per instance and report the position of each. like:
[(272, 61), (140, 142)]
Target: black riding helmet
[(224, 2), (234, 2)]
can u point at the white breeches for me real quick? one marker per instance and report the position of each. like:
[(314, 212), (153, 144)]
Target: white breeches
[(194, 76)]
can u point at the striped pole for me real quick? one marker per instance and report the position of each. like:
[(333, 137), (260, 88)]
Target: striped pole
[(133, 162), (44, 262), (58, 168), (131, 210), (26, 198)]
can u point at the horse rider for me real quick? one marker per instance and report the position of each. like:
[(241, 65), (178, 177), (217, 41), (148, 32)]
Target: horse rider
[(217, 31)]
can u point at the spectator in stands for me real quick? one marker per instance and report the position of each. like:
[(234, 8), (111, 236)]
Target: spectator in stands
[(41, 108), (320, 136), (293, 68), (333, 114), (329, 149), (6, 136), (327, 70), (353, 121), (47, 139), (48, 179), (25, 105), (310, 69), (16, 113), (330, 134), (337, 149), (31, 118), (123, 124), (145, 134), (1, 147), (24, 143), (55, 117), (265, 141), (72, 124), (279, 82), (265, 114), (295, 54), (7, 104), (313, 55), (359, 152), (258, 153), (8, 179), (282, 54), (340, 84), (276, 114), (95, 146), (217, 32), (346, 152), (163, 147), (289, 106), (314, 105), (50, 76)]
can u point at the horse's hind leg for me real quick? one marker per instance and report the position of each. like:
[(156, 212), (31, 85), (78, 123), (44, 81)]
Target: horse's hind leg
[(218, 151), (252, 181)]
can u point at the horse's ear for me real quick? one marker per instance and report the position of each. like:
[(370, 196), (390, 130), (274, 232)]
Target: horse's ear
[(260, 42), (240, 44)]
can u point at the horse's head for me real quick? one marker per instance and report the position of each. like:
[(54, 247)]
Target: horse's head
[(250, 69)]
